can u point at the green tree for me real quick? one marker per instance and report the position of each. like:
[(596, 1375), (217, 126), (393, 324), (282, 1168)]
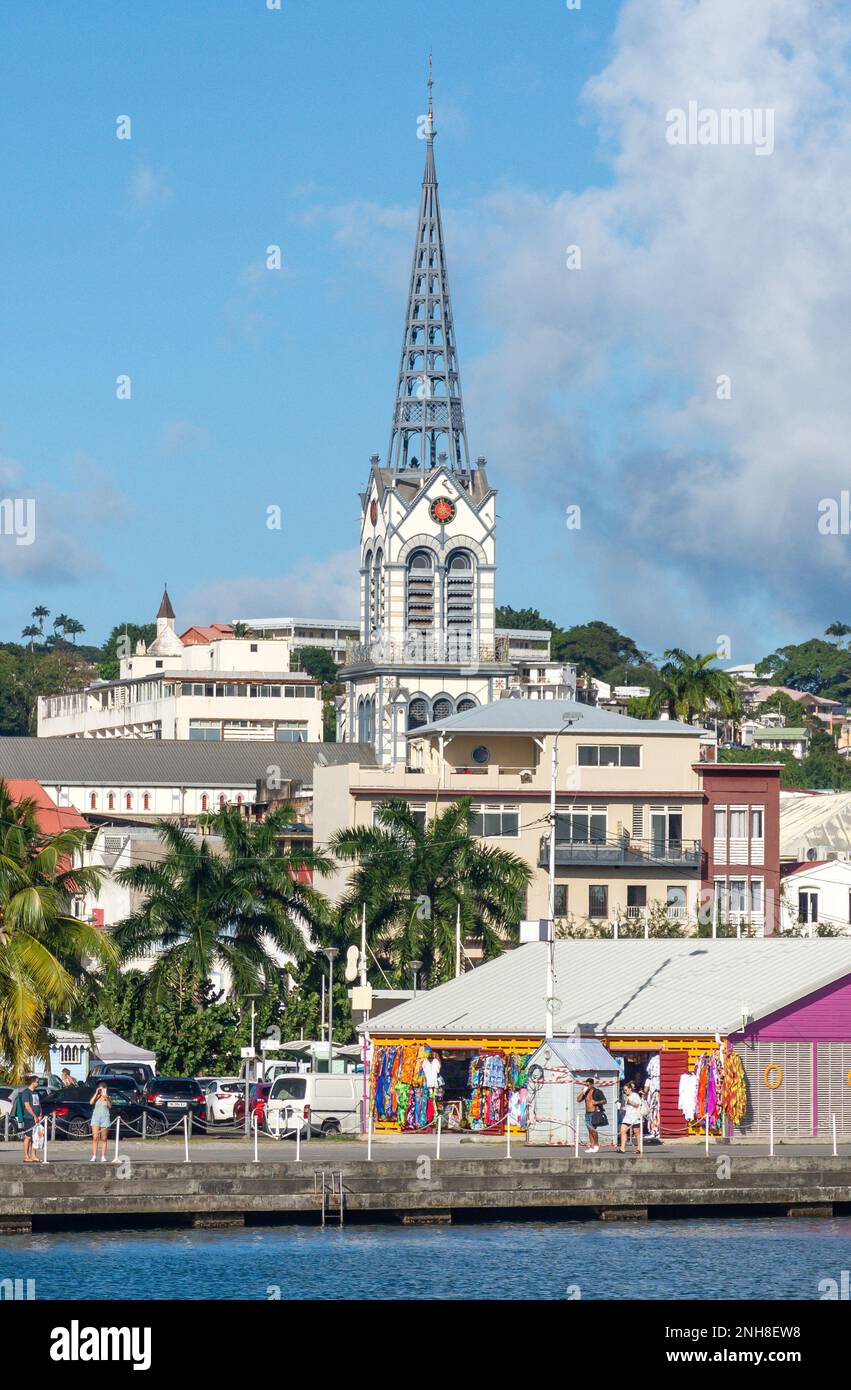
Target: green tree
[(783, 704), (237, 907), (687, 686), (600, 650), (39, 614), (815, 666), (74, 627), (45, 951), (837, 630), (316, 662), (412, 880)]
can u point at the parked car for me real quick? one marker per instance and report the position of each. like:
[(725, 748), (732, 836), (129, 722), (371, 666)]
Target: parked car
[(129, 1084), (178, 1096), (72, 1107), (141, 1073), (257, 1097), (222, 1093), (322, 1102)]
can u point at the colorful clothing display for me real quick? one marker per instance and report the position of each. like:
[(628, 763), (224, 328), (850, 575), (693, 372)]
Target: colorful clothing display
[(408, 1086), (714, 1090)]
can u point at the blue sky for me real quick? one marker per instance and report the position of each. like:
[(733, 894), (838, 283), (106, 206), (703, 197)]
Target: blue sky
[(253, 388)]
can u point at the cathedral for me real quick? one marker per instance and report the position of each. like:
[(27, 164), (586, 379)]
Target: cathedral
[(427, 646)]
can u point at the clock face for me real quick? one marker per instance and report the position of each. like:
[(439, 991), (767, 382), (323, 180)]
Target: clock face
[(442, 510), (373, 511)]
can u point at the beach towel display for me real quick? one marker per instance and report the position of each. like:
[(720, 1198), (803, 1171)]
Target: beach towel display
[(407, 1084)]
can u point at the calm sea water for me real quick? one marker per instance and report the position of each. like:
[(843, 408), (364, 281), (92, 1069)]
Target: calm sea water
[(671, 1260)]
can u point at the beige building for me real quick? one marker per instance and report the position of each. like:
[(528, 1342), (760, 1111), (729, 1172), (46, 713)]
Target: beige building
[(629, 806)]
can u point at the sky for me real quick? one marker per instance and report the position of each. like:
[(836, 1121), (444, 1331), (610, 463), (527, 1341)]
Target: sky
[(680, 376)]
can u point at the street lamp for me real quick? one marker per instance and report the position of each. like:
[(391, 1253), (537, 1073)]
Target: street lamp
[(331, 952), (415, 966), (253, 1063), (551, 926)]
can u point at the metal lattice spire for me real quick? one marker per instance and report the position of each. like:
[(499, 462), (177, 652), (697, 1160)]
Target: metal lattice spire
[(428, 417)]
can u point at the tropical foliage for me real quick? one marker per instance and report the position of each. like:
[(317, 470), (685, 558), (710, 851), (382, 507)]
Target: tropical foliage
[(237, 908), (413, 879), (689, 684), (47, 956)]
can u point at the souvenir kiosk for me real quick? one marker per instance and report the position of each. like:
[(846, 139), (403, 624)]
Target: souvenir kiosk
[(555, 1077)]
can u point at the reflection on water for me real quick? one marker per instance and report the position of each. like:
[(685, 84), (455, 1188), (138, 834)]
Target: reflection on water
[(684, 1259)]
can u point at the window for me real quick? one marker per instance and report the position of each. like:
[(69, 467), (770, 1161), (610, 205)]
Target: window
[(420, 601), (459, 592), (146, 801), (201, 729), (128, 802), (253, 647), (442, 708), (636, 897), (465, 703), (807, 906), (560, 902), (738, 823), (737, 896), (609, 755), (417, 712), (587, 827), (675, 900), (293, 731), (495, 822), (757, 822), (93, 801), (598, 900), (110, 801), (719, 822), (757, 906), (481, 755)]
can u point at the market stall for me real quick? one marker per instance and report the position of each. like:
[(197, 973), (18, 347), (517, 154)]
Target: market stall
[(474, 1087)]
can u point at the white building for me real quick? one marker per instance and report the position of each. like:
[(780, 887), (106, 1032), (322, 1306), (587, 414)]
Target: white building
[(214, 688), (329, 634), (817, 894)]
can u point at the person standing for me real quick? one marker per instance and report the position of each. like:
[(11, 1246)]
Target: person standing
[(28, 1114), (100, 1123), (631, 1122), (594, 1115)]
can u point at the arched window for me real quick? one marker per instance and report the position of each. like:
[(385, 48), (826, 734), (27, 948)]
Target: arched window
[(204, 801), (239, 801), (466, 702), (460, 591), (441, 708), (420, 612), (146, 801), (110, 801), (378, 591), (368, 578), (418, 712), (93, 801), (128, 801), (361, 721), (222, 802)]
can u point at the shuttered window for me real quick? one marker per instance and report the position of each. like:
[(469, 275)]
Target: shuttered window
[(834, 1092), (791, 1102)]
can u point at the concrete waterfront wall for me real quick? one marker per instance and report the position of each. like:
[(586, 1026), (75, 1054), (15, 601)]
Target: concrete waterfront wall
[(210, 1193)]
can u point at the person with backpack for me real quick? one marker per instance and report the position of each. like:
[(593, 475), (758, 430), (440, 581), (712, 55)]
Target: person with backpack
[(28, 1114), (595, 1114)]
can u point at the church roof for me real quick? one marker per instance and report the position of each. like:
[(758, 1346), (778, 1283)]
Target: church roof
[(165, 609)]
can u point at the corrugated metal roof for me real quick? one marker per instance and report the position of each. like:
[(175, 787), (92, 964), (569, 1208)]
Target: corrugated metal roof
[(822, 823), (521, 716), (170, 762), (650, 988)]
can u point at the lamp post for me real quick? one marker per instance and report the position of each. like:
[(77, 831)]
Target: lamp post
[(551, 926), (415, 966), (253, 1063), (331, 952)]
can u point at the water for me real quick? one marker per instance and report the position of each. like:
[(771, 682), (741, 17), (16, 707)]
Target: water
[(511, 1260)]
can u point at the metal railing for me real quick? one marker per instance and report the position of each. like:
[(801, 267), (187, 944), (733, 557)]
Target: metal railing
[(623, 853)]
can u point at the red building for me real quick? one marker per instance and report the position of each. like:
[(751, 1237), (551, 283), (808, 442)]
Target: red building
[(741, 840)]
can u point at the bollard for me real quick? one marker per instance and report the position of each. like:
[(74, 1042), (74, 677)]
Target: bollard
[(298, 1143), (185, 1138), (833, 1128), (575, 1136), (641, 1140), (44, 1127), (53, 1124), (256, 1157), (771, 1136), (6, 1128), (508, 1135), (369, 1141), (706, 1144), (117, 1134), (439, 1124), (144, 1124)]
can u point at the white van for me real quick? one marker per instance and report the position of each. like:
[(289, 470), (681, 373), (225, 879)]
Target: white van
[(329, 1103)]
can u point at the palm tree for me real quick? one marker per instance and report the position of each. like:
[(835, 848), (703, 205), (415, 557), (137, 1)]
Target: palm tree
[(413, 879), (74, 627), (40, 613), (32, 632), (688, 684), (242, 907), (46, 954), (61, 620)]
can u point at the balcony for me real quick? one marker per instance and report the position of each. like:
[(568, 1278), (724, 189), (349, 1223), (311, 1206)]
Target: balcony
[(623, 853), (427, 648)]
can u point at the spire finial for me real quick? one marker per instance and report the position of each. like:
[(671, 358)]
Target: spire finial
[(430, 84)]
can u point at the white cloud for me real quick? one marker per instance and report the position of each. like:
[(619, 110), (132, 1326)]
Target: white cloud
[(149, 189), (318, 589), (65, 520)]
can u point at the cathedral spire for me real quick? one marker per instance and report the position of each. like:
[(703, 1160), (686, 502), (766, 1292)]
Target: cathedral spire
[(428, 416)]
